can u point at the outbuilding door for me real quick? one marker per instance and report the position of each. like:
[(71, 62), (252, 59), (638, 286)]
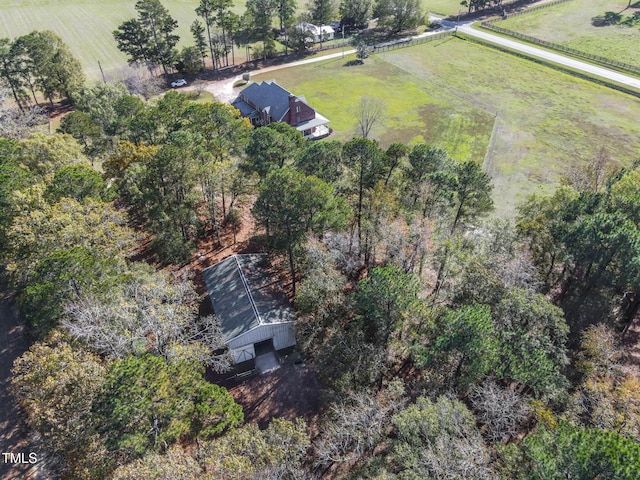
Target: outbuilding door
[(266, 357)]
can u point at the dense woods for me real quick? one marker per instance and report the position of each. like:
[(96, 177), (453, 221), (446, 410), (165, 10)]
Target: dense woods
[(450, 343)]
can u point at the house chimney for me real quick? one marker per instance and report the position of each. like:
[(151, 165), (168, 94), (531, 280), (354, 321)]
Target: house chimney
[(294, 116)]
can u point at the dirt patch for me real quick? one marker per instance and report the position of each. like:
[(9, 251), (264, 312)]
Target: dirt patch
[(209, 250), (290, 392), (14, 437)]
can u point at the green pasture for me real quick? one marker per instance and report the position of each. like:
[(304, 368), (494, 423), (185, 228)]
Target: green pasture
[(458, 94), (414, 111), (570, 24), (443, 7), (87, 26)]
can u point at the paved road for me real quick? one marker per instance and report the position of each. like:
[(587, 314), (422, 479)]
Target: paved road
[(588, 68)]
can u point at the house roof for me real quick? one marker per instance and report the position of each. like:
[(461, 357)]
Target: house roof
[(245, 109), (268, 94), (244, 295)]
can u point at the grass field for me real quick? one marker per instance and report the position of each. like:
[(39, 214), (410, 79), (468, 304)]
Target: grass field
[(414, 110), (446, 7), (454, 94), (87, 26), (569, 24)]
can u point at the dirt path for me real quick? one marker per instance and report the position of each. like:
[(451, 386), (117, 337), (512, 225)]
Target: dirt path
[(13, 434)]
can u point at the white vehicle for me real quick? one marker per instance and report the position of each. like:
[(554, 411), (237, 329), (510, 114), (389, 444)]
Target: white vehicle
[(179, 83)]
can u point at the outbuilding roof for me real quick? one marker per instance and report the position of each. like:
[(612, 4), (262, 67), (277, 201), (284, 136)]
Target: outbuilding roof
[(244, 295)]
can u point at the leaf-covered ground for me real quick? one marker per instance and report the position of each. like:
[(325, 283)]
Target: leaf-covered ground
[(13, 434)]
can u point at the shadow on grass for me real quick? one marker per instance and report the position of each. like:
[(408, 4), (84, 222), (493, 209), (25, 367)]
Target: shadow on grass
[(616, 18), (606, 20), (353, 63)]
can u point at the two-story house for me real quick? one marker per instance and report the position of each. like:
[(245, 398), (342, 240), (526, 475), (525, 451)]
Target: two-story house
[(266, 102)]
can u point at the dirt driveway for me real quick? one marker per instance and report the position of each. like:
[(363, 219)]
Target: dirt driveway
[(13, 434)]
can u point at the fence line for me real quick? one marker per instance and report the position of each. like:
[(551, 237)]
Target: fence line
[(491, 25), (571, 51), (409, 42), (487, 164), (324, 46), (528, 10), (499, 8)]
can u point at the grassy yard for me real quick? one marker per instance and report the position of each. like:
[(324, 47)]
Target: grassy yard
[(569, 24), (414, 110), (456, 94), (443, 7)]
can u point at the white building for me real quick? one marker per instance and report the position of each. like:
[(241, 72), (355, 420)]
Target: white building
[(319, 34), (254, 313)]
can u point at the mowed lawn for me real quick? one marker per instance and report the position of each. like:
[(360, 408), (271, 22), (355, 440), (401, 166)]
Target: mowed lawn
[(443, 7), (87, 26), (569, 24), (454, 94)]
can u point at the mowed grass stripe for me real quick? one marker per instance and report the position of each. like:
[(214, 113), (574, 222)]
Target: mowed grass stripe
[(87, 26), (450, 93)]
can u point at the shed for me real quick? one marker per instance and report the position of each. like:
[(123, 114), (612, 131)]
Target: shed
[(316, 33), (254, 313)]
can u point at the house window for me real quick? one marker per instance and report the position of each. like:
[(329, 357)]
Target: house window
[(297, 109)]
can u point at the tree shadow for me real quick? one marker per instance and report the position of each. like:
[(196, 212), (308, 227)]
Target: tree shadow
[(606, 20), (353, 63)]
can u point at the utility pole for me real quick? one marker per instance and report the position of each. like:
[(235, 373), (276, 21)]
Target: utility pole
[(457, 23), (102, 72), (342, 41)]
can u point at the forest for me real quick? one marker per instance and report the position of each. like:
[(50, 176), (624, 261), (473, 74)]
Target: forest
[(450, 344)]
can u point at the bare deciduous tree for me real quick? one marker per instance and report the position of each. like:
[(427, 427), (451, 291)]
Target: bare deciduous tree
[(405, 245), (590, 175), (439, 440), (600, 352), (143, 84), (357, 425), (155, 315), (16, 123), (500, 410), (368, 113)]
